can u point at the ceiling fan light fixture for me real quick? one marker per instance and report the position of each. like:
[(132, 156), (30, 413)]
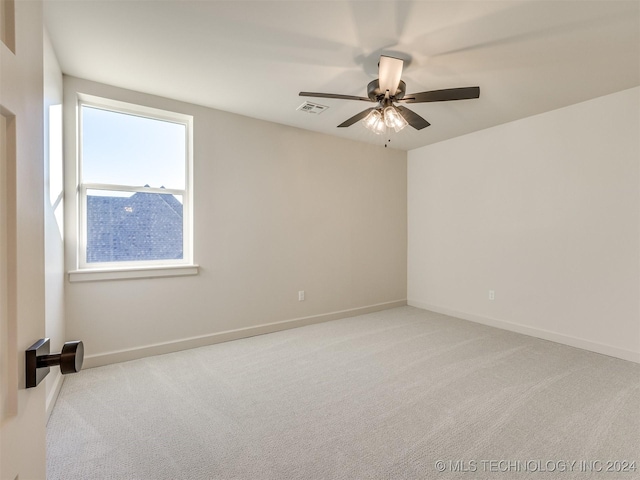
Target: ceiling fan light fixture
[(389, 88), (375, 122), (393, 119), (380, 128), (371, 119)]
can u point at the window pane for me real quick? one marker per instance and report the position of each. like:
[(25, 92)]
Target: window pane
[(123, 149), (126, 227)]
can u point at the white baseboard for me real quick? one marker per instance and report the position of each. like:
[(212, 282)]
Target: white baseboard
[(107, 358), (53, 394), (534, 332)]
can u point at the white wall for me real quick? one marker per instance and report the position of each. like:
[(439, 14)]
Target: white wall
[(277, 210), (545, 211), (53, 205)]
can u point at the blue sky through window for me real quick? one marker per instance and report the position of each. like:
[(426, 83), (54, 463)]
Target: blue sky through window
[(119, 148)]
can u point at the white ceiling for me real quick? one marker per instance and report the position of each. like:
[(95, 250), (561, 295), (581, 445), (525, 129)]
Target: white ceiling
[(252, 58)]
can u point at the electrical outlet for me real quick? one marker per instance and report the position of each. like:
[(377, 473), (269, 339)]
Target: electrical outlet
[(301, 296), (492, 294)]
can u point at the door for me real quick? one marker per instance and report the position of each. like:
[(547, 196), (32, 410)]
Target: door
[(22, 411)]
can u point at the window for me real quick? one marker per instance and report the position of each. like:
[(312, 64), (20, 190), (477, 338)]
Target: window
[(134, 170)]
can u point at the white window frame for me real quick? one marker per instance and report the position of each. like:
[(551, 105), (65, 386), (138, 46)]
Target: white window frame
[(143, 268)]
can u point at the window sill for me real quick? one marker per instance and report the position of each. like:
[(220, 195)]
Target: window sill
[(96, 275)]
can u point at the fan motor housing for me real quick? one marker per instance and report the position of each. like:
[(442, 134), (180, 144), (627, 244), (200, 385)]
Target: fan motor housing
[(376, 94)]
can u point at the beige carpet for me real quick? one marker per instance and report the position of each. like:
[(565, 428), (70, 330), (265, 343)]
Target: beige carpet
[(399, 394)]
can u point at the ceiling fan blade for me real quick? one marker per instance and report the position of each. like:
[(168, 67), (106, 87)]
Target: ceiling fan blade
[(389, 73), (356, 118), (412, 118), (443, 95), (334, 95)]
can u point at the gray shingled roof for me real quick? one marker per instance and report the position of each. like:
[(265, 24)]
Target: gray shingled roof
[(145, 226)]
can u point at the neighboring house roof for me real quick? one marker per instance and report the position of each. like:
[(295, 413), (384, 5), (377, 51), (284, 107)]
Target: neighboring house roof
[(145, 226)]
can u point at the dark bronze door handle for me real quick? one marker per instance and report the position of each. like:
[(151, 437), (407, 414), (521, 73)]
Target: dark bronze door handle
[(39, 360)]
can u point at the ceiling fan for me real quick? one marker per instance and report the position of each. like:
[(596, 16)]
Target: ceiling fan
[(388, 89)]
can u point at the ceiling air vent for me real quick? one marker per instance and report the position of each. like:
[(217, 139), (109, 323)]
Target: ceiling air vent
[(312, 108)]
